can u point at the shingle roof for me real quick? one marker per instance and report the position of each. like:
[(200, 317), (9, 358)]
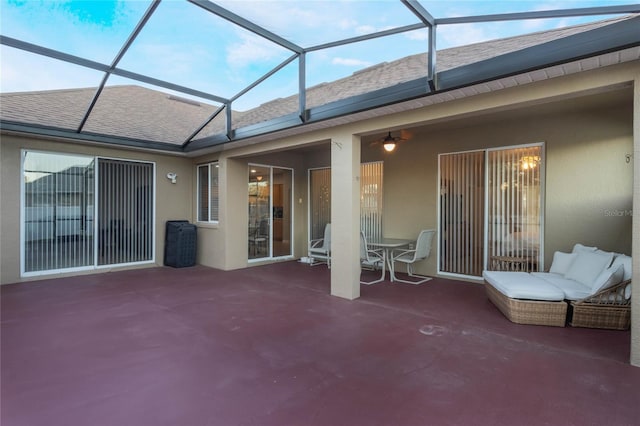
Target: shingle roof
[(144, 114)]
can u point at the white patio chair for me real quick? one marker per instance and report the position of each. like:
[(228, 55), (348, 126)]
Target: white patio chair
[(320, 249), (409, 257), (371, 258), (259, 236)]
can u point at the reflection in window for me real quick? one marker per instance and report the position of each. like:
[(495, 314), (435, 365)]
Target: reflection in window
[(208, 194), (58, 208), (60, 217)]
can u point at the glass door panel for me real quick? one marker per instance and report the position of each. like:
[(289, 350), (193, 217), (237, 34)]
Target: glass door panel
[(58, 211), (282, 211), (259, 225), (514, 194)]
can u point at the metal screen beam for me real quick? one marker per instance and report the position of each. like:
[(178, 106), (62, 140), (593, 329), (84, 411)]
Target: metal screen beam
[(202, 126), (560, 13), (598, 41), (417, 9), (264, 77), (70, 134), (152, 7), (246, 24), (365, 37), (55, 54), (302, 87)]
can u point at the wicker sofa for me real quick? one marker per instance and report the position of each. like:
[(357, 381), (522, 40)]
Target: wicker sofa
[(585, 288)]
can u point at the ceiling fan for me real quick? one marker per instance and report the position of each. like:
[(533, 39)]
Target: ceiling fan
[(389, 142)]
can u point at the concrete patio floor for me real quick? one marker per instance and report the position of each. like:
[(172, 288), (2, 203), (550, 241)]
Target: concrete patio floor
[(269, 346)]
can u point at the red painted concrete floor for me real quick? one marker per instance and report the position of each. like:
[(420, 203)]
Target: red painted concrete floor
[(269, 346)]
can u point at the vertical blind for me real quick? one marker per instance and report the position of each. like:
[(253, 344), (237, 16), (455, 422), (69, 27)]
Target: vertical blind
[(514, 206), (125, 211), (371, 178), (462, 213), (319, 201), (208, 193), (371, 196)]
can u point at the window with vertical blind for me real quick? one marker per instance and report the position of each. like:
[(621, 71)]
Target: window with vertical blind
[(371, 178), (125, 211), (491, 210), (208, 192), (81, 212), (514, 207), (462, 213)]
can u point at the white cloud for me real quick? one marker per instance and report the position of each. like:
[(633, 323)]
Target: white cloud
[(459, 35), (252, 49), (419, 35), (365, 29), (24, 72), (351, 62)]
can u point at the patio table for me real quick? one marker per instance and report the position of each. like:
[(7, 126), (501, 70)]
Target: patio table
[(388, 245)]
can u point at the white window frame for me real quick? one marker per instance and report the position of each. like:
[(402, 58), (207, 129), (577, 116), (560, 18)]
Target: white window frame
[(94, 265), (213, 165)]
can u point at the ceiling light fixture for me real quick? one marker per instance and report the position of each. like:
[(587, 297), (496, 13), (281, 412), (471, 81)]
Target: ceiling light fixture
[(389, 143), (530, 162)]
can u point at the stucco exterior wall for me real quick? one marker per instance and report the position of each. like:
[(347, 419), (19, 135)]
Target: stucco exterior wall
[(588, 181), (173, 201), (225, 245)]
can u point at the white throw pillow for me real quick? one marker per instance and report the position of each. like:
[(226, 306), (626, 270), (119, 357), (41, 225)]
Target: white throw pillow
[(587, 266), (607, 278), (562, 262), (625, 261), (579, 247)]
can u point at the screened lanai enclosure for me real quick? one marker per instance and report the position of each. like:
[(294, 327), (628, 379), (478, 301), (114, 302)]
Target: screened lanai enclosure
[(226, 71), (193, 78)]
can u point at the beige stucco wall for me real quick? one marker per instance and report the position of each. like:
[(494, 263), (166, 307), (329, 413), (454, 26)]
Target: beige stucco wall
[(173, 201), (588, 181), (225, 245), (581, 205)]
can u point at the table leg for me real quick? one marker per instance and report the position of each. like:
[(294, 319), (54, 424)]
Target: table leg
[(390, 265)]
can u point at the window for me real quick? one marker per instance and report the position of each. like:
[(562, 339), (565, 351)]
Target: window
[(208, 194)]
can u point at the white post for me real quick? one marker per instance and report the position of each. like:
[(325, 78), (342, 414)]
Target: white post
[(345, 216), (635, 249)]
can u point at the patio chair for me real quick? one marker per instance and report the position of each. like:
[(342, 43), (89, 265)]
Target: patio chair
[(373, 259), (409, 257), (259, 236), (319, 251)]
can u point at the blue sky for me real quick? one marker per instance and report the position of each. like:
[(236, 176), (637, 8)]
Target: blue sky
[(183, 44)]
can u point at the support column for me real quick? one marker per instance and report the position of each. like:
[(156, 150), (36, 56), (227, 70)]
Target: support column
[(345, 216), (635, 248)]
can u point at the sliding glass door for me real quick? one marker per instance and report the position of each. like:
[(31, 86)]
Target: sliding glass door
[(491, 210), (81, 212), (270, 212), (514, 207), (57, 212)]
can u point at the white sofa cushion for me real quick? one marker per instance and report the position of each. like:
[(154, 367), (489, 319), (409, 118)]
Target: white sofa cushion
[(561, 262), (572, 290), (579, 247), (587, 266), (522, 285), (625, 261), (608, 277)]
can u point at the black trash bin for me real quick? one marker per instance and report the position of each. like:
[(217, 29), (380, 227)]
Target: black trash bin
[(180, 244)]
